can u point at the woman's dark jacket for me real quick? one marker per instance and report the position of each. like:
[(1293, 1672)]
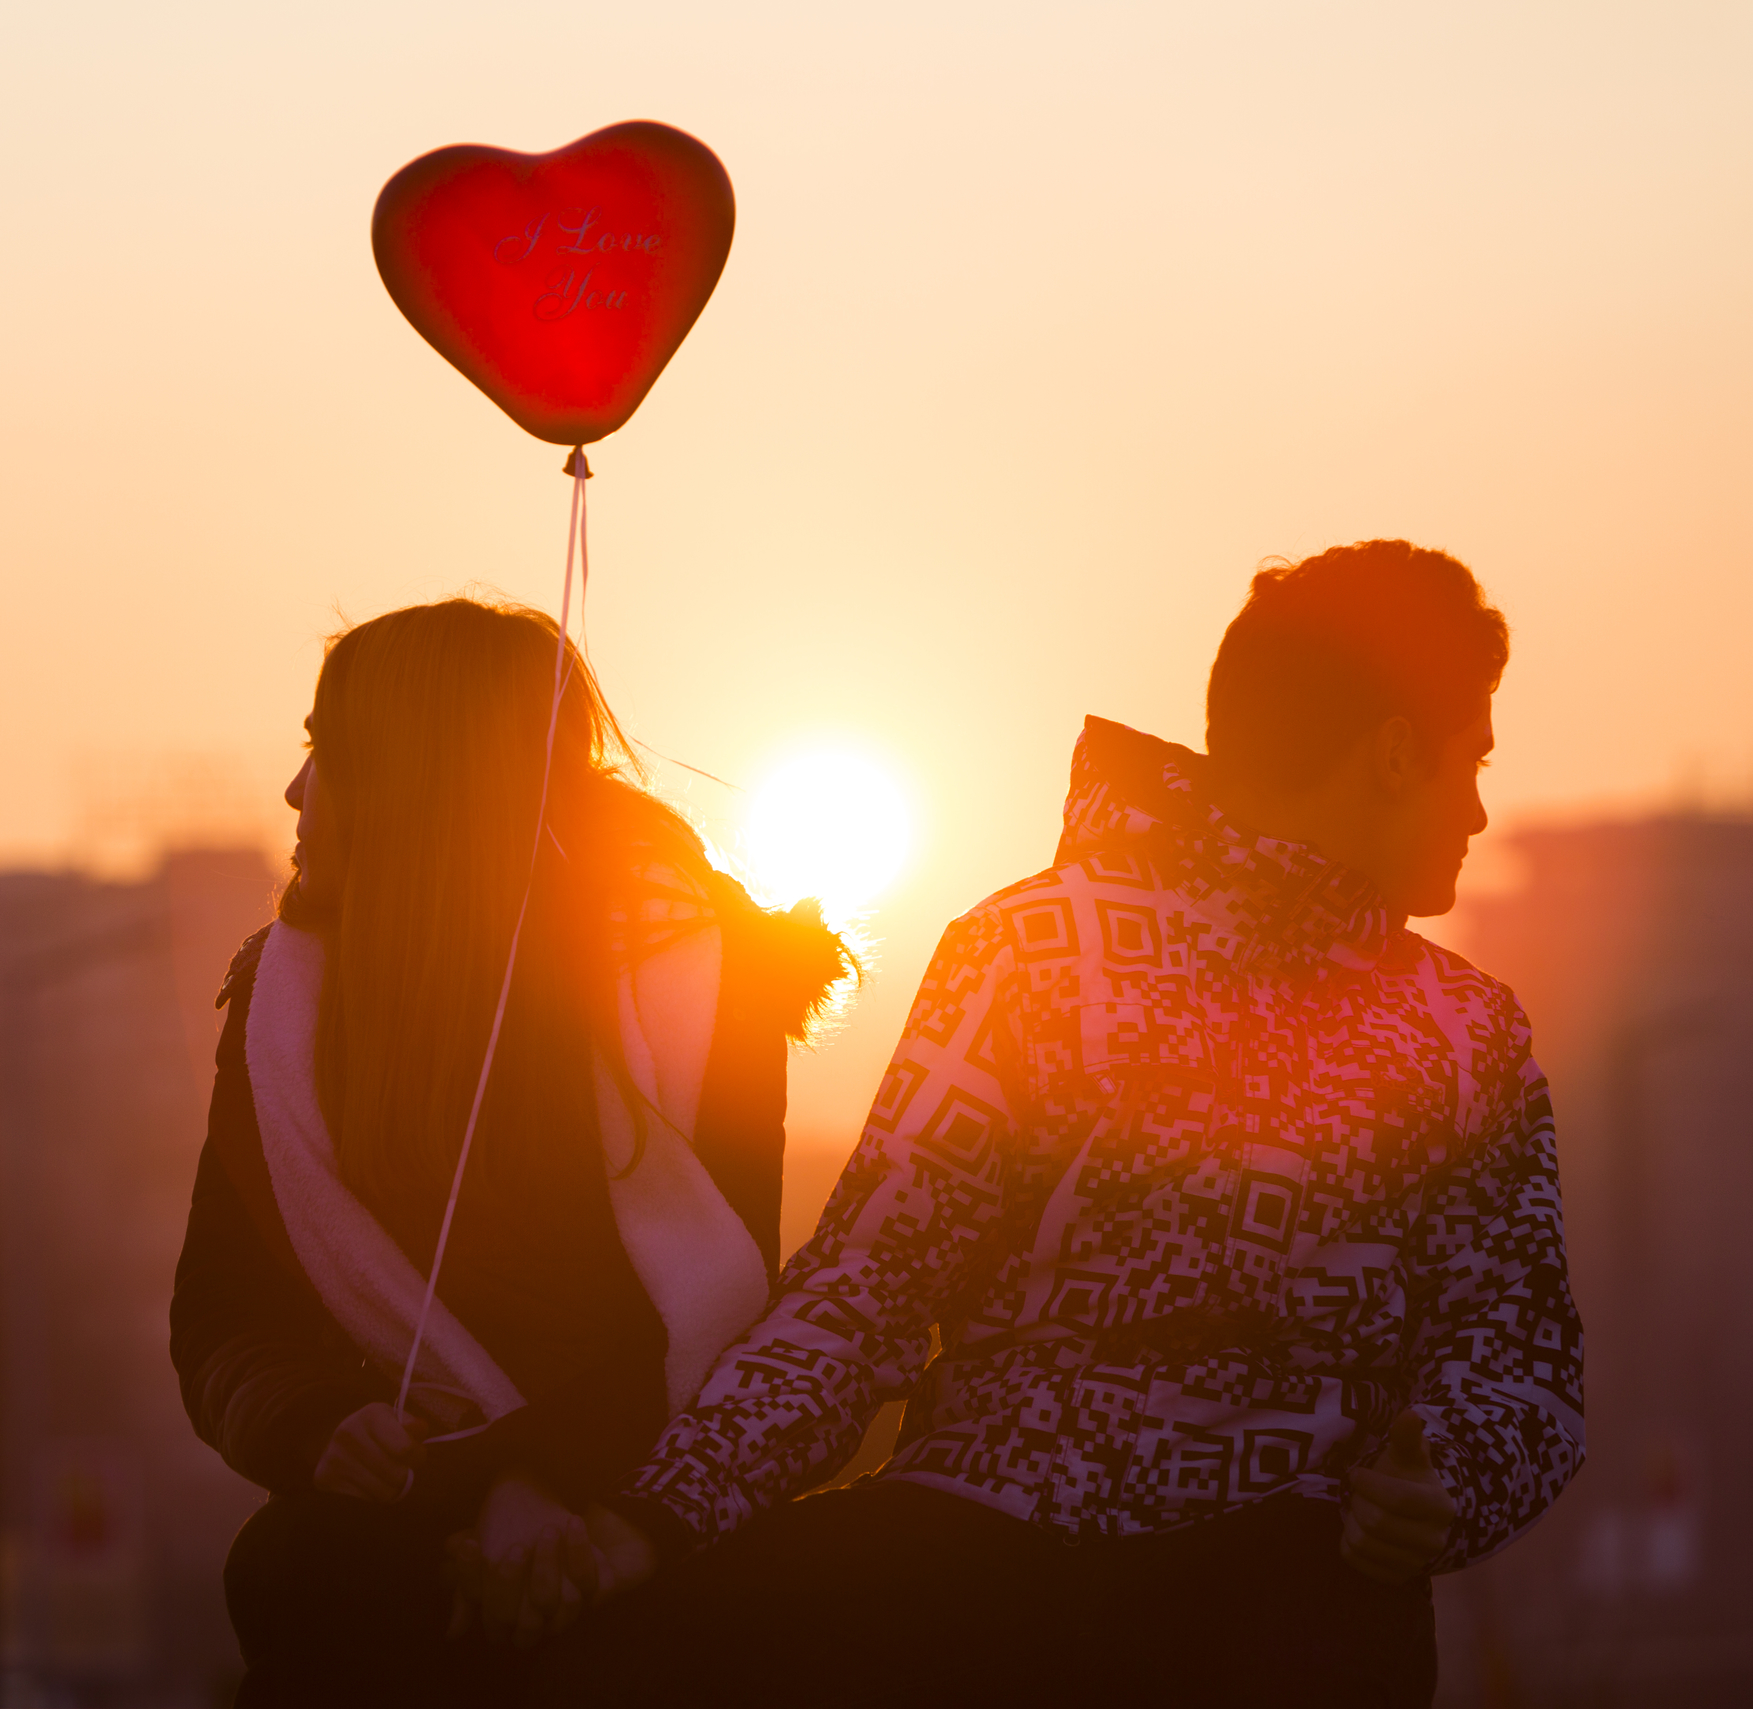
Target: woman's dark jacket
[(267, 1373)]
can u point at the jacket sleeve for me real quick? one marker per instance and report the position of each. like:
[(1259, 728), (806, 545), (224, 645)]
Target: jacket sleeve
[(850, 1326), (265, 1378), (1495, 1340)]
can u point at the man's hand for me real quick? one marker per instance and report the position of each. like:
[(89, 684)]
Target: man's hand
[(532, 1568), (1399, 1516), (625, 1555), (371, 1454), (528, 1565)]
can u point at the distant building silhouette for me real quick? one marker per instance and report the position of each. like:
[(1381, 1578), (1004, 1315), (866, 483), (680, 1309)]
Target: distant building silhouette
[(1631, 947), (114, 1519)]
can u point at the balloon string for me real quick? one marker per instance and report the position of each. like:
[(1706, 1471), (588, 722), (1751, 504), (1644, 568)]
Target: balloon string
[(575, 540)]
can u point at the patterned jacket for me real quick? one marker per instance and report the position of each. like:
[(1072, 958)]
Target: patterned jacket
[(1205, 1168)]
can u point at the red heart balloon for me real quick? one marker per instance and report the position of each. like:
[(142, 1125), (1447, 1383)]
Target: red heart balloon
[(559, 283)]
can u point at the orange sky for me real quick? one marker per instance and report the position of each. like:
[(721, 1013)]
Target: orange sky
[(1043, 325)]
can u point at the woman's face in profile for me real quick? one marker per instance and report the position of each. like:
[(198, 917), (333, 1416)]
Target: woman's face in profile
[(318, 858)]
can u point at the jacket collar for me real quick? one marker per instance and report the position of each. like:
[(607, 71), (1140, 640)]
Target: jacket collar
[(1286, 904)]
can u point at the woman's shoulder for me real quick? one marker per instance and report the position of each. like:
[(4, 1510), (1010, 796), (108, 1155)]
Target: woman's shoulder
[(660, 902), (780, 963), (240, 976)]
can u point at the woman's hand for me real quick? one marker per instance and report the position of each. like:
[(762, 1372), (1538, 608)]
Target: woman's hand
[(1398, 1519), (528, 1564), (372, 1454)]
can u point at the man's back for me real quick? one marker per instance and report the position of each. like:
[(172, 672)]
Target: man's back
[(1207, 1169), (1235, 1204)]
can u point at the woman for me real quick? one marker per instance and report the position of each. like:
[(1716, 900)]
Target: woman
[(617, 1222)]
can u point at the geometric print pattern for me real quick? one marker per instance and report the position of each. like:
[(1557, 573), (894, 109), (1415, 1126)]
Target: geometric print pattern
[(1203, 1169)]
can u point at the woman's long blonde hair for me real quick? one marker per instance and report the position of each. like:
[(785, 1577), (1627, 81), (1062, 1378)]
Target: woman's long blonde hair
[(429, 728)]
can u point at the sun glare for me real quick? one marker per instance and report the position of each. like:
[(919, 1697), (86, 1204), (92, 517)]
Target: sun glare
[(828, 824)]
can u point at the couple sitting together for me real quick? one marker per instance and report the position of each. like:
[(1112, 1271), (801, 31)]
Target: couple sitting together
[(1207, 1218)]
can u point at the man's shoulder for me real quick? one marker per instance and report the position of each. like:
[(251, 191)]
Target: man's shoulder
[(981, 931), (1463, 996), (1109, 908), (1037, 916), (1118, 874)]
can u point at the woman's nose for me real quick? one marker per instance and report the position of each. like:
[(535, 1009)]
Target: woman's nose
[(295, 789)]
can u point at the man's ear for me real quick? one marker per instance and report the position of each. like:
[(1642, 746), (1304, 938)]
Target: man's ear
[(1395, 755)]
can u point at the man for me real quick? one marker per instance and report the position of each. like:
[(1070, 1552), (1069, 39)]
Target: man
[(1235, 1205)]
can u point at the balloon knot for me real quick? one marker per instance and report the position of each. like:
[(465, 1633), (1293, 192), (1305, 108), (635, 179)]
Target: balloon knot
[(574, 458)]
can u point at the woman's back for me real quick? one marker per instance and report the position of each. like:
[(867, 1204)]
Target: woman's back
[(617, 1219)]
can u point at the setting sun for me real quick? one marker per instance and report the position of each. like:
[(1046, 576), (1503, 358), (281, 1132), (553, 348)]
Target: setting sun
[(829, 824)]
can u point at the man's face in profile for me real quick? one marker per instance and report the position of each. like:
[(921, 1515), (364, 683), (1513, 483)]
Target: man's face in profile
[(1439, 813)]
